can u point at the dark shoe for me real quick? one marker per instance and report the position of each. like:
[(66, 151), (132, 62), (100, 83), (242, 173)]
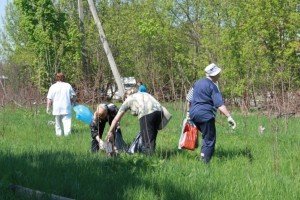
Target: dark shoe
[(202, 159)]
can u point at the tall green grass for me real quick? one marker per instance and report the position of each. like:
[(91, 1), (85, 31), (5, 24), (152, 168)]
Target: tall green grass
[(247, 164)]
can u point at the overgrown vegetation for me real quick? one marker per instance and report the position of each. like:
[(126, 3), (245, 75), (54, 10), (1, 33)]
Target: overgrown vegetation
[(249, 163), (166, 44)]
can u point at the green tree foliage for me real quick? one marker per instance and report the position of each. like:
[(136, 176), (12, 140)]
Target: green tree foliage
[(44, 37), (262, 37), (164, 43)]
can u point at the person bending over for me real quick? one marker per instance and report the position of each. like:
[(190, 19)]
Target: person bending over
[(149, 112), (105, 113)]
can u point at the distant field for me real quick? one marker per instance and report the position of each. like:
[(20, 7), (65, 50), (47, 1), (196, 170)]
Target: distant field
[(247, 164)]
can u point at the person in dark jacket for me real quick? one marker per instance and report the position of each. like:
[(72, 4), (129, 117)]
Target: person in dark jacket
[(103, 114)]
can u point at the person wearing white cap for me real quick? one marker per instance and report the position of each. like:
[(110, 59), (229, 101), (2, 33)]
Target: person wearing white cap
[(205, 98)]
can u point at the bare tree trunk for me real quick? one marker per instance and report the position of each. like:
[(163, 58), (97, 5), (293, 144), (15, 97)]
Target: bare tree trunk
[(171, 75), (253, 96), (83, 49), (4, 91), (106, 48)]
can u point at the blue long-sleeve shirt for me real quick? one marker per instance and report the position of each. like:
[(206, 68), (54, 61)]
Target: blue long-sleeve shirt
[(205, 101)]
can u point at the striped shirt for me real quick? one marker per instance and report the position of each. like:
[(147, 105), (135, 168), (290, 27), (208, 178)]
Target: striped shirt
[(189, 96)]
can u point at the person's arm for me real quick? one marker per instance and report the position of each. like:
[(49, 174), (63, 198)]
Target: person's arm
[(49, 103), (224, 110), (230, 120), (73, 96), (73, 100), (188, 105), (94, 130), (114, 124), (97, 130), (98, 138)]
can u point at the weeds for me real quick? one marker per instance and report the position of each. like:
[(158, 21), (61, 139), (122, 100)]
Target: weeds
[(246, 165)]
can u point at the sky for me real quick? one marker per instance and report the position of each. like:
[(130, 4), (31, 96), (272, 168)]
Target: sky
[(2, 11)]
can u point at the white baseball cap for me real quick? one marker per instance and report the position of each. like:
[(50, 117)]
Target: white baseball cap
[(212, 70)]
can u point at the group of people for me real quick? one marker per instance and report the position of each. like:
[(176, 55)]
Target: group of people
[(204, 99)]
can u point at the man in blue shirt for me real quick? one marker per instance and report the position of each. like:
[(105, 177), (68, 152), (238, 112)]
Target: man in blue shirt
[(205, 98)]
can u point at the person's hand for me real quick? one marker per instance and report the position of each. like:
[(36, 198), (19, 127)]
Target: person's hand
[(48, 110), (101, 144), (231, 122)]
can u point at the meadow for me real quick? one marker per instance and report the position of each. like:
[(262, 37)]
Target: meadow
[(248, 163)]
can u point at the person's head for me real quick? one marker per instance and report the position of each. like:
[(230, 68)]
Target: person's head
[(139, 83), (212, 71), (129, 92), (101, 112), (60, 77)]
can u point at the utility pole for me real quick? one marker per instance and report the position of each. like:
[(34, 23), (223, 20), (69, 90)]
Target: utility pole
[(82, 31), (109, 55)]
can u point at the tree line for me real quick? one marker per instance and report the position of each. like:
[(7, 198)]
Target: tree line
[(164, 43)]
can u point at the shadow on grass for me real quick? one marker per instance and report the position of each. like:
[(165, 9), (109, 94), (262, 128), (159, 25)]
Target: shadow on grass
[(233, 153), (80, 130), (167, 153), (86, 176)]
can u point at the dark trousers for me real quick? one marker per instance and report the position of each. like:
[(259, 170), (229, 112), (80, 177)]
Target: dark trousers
[(208, 130), (149, 125)]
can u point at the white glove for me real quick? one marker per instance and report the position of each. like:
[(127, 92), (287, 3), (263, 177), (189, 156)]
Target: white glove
[(231, 122), (48, 110)]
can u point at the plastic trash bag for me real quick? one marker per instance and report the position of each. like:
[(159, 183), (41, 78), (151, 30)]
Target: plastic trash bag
[(189, 136), (166, 117), (136, 145), (112, 148), (83, 114), (120, 144)]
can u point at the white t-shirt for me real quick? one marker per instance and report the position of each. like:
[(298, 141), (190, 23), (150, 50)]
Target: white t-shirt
[(61, 93)]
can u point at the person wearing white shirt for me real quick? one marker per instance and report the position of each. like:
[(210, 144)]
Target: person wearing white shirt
[(61, 96)]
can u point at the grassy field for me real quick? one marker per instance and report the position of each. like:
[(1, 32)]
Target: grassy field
[(247, 164)]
